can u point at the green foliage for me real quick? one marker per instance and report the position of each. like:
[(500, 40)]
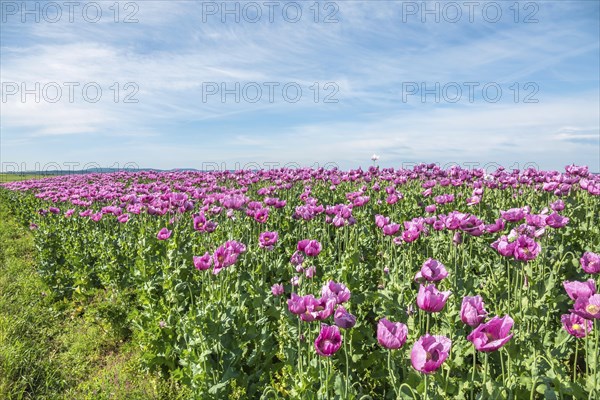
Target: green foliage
[(55, 349)]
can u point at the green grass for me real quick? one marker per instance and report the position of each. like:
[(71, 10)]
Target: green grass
[(53, 349), (20, 177)]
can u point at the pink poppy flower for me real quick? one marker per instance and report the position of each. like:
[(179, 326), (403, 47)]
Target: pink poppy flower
[(429, 353), (432, 271), (577, 289), (338, 291), (277, 289), (391, 229), (431, 299), (576, 325), (587, 307), (556, 221), (343, 318), (472, 310), (311, 248), (329, 340), (317, 309), (526, 249), (590, 262), (296, 304), (381, 221), (513, 215), (267, 240), (204, 262), (391, 335), (164, 234), (492, 335)]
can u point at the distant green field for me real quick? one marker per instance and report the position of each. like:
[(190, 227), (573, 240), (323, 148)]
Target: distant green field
[(19, 177)]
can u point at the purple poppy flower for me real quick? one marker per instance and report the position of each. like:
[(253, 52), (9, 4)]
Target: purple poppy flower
[(329, 340), (556, 221), (526, 248), (227, 255), (391, 335), (277, 289), (381, 221), (267, 240), (199, 222), (164, 234), (410, 235), (98, 216), (558, 205), (576, 325), (429, 353), (432, 271), (343, 318), (430, 208), (235, 246), (513, 215), (391, 229), (296, 304), (392, 199), (504, 246), (204, 262), (431, 299), (317, 309), (587, 307), (472, 310), (457, 238), (439, 225), (339, 291), (261, 215), (496, 226), (577, 289), (297, 258), (590, 262), (492, 335), (311, 248)]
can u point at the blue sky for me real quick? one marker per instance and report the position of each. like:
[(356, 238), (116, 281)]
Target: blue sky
[(371, 62)]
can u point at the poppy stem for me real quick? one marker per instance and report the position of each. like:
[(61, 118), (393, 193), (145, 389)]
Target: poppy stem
[(447, 379), (473, 373), (575, 361), (586, 347), (502, 364), (485, 371), (426, 385), (391, 371), (597, 331), (328, 378), (299, 347), (509, 283), (347, 367), (455, 251)]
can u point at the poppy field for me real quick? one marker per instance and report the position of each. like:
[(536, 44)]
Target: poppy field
[(381, 283)]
